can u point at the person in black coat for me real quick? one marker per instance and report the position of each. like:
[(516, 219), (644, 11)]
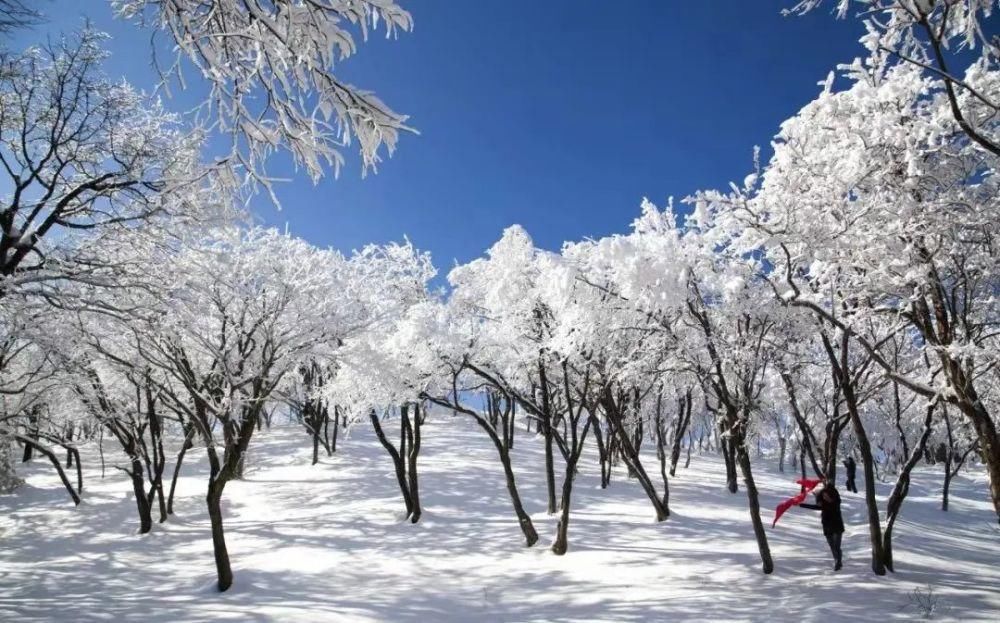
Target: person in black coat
[(828, 505), (852, 469)]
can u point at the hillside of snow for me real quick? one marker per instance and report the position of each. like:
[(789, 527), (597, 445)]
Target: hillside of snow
[(326, 543)]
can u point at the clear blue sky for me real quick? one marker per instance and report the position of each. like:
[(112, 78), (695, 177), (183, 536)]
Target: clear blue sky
[(559, 115)]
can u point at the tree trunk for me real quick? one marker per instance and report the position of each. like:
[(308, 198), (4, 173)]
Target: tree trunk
[(846, 385), (661, 455), (665, 500), (223, 570), (315, 436), (874, 523), (188, 443), (947, 484), (683, 421), (404, 435), (511, 420), (32, 432), (782, 442), (754, 503), (397, 461), (833, 433), (241, 464), (634, 464), (523, 519), (550, 474), (802, 462), (141, 501), (413, 431), (902, 487), (336, 429), (326, 431), (69, 451), (989, 446), (602, 453), (160, 497), (729, 454), (51, 456), (79, 468), (159, 460), (561, 543)]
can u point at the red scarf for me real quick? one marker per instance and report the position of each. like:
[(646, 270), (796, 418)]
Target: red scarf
[(807, 486)]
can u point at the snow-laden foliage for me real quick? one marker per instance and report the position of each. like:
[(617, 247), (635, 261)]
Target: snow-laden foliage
[(84, 157), (270, 70)]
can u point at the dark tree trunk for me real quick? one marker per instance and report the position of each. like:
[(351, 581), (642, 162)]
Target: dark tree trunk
[(846, 385), (51, 456), (561, 543), (503, 451), (729, 454), (782, 442), (315, 436), (683, 421), (602, 452), (236, 447), (952, 462), (413, 433), (188, 443), (223, 569), (754, 503), (575, 447), (546, 422), (404, 435), (30, 434), (159, 460), (326, 431), (989, 444), (511, 420), (902, 487), (160, 497), (834, 429), (100, 449), (336, 429), (141, 501), (79, 468), (523, 519), (631, 457), (947, 484), (661, 453), (397, 461), (69, 450), (802, 463), (874, 523)]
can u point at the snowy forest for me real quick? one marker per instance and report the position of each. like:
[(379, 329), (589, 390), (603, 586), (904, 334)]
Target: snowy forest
[(196, 409)]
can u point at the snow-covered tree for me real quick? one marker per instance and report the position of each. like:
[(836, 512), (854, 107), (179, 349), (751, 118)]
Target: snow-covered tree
[(878, 215), (81, 155), (947, 40), (269, 66)]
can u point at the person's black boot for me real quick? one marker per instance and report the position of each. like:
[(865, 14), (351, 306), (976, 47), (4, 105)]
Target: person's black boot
[(838, 566)]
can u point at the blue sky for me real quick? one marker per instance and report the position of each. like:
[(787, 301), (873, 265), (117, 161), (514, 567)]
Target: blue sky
[(559, 115)]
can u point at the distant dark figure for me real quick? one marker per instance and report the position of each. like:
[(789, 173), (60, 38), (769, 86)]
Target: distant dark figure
[(828, 505), (941, 453), (852, 469)]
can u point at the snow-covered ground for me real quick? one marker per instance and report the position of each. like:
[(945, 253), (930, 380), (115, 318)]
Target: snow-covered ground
[(325, 543)]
